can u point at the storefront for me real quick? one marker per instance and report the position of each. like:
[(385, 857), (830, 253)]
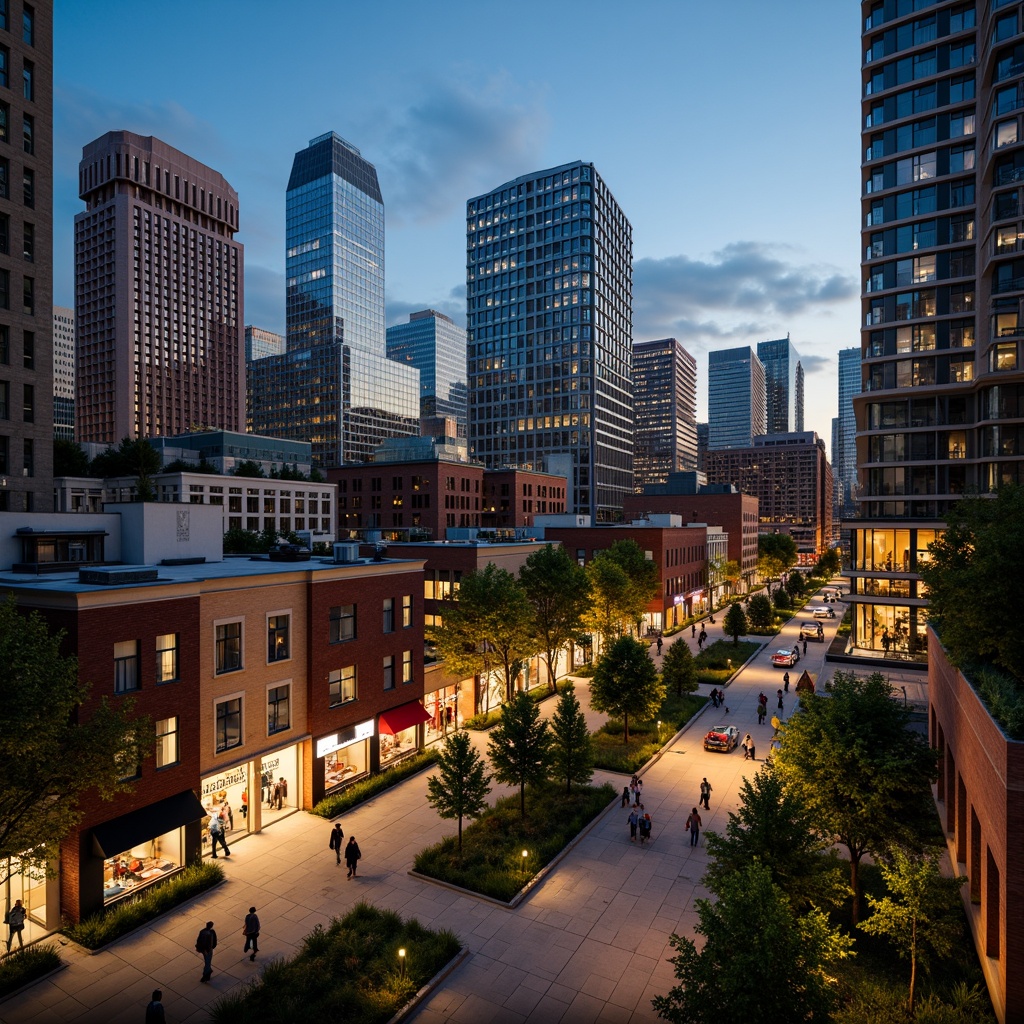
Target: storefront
[(399, 731), (228, 794), (280, 785), (344, 755), (39, 895), (442, 706)]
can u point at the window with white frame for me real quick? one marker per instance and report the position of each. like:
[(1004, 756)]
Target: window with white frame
[(167, 658), (228, 723), (278, 637), (167, 742), (126, 666), (341, 684), (229, 646), (278, 708)]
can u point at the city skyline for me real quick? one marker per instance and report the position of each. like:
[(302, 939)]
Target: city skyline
[(716, 265)]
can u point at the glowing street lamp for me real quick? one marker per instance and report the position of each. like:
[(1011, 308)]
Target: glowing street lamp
[(401, 960), (526, 853)]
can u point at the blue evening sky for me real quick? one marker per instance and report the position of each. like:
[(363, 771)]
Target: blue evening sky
[(728, 133)]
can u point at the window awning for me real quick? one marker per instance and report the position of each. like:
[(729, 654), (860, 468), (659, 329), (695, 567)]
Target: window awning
[(137, 827), (405, 716)]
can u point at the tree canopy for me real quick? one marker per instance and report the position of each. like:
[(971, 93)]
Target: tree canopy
[(678, 669), (132, 457), (759, 612), (735, 624), (69, 459), (572, 752), (460, 790), (249, 468), (778, 545), (623, 582), (520, 747), (626, 684)]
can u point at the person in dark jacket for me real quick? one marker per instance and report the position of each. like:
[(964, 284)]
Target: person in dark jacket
[(206, 943), (352, 856), (336, 837), (251, 930), (155, 1009)]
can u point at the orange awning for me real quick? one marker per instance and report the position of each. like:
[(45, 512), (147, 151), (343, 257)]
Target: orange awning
[(405, 716)]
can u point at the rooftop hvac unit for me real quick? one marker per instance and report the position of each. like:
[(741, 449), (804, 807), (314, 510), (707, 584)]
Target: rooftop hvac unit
[(346, 553)]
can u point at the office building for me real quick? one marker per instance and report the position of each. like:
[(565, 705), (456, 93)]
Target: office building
[(665, 410), (844, 445), (784, 385), (64, 373), (436, 346), (736, 398), (702, 444), (549, 291), (334, 386), (158, 293), (260, 343), (26, 258)]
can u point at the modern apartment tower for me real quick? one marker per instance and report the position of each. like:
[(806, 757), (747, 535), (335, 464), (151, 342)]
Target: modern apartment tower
[(64, 373), (736, 398), (26, 258), (549, 290), (334, 385), (665, 410), (436, 346), (260, 343), (158, 293), (844, 446), (784, 385)]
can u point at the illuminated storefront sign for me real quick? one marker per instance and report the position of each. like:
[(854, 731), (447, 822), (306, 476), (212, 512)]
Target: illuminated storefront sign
[(344, 737)]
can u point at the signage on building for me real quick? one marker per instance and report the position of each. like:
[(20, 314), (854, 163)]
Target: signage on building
[(344, 737), (232, 777)]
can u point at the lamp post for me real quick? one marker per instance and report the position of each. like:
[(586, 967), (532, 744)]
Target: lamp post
[(659, 730), (401, 961), (526, 853)]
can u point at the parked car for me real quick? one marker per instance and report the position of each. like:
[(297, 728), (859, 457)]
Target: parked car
[(824, 613), (784, 658), (288, 553), (812, 631), (722, 737)]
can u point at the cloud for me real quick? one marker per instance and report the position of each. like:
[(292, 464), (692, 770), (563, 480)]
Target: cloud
[(452, 305), (817, 364), (264, 298)]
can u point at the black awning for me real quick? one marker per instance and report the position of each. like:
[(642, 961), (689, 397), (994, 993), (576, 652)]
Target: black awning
[(137, 827)]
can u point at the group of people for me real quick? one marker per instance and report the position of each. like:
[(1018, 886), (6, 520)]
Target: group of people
[(273, 793), (717, 698), (352, 851), (639, 822)]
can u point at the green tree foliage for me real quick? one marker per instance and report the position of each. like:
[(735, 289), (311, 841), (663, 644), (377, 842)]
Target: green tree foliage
[(623, 582), (242, 542), (626, 684), (268, 536), (249, 468), (759, 612), (828, 564), (921, 914), (572, 752), (770, 569), (678, 669), (774, 828), (795, 584), (181, 466), (50, 752), (723, 570), (132, 457), (520, 747), (69, 459), (863, 775), (735, 624), (460, 790), (558, 590), (288, 473), (778, 545), (760, 964), (981, 548), (782, 599)]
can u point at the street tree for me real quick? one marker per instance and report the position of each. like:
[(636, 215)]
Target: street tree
[(626, 684), (829, 563), (782, 599), (773, 827), (678, 669), (134, 456), (863, 775), (795, 584), (921, 915), (460, 790), (520, 747), (778, 545), (623, 582), (69, 458), (749, 931), (572, 751), (249, 468), (558, 591), (770, 569), (735, 624), (54, 746), (759, 612), (725, 570)]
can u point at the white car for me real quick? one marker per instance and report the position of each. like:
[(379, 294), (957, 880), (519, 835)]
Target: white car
[(824, 613), (784, 658)]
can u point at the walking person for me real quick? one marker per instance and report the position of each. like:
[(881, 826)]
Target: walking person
[(780, 700), (659, 644), (805, 646), (251, 931), (352, 855), (761, 712), (625, 796), (693, 629), (633, 820), (155, 1009), (336, 837), (15, 921), (693, 824), (639, 791), (216, 829), (748, 746), (645, 824), (785, 682), (206, 943), (705, 794)]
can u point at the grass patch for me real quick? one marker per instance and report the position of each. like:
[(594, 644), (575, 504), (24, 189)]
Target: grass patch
[(349, 971), (713, 662), (20, 968), (492, 846), (366, 789), (611, 754), (120, 918), (478, 723)]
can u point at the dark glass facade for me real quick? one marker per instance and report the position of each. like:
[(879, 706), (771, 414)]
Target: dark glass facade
[(784, 385)]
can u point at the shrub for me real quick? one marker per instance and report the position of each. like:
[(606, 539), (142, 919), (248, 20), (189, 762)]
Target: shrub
[(1004, 698), (24, 966), (366, 789), (157, 899), (782, 599)]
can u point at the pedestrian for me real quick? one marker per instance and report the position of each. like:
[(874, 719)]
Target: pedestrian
[(645, 828), (760, 713), (245, 805), (15, 921), (796, 652), (216, 829), (714, 698), (230, 816), (659, 644), (633, 819), (251, 931), (206, 943), (748, 745), (785, 682), (639, 789), (352, 855), (155, 1009), (693, 824), (805, 646), (336, 837), (780, 700), (705, 794), (693, 629)]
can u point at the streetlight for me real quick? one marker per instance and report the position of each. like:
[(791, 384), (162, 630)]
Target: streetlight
[(659, 730), (401, 960), (526, 853)]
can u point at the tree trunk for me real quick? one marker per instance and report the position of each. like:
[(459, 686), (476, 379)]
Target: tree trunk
[(460, 837), (551, 656), (625, 728), (913, 965), (855, 886), (522, 799)]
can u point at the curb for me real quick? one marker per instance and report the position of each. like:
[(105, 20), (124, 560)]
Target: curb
[(35, 981), (410, 1007)]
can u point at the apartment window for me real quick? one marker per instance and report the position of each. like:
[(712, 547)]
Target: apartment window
[(277, 637), (5, 121), (28, 133), (5, 64), (1004, 356), (229, 646), (167, 658), (389, 614), (167, 742), (28, 25), (5, 344), (343, 623), (389, 671), (28, 184), (406, 666), (229, 724), (3, 14), (126, 666), (27, 78), (28, 452), (5, 175), (28, 403), (5, 289), (341, 685), (28, 295), (1006, 134), (28, 242), (406, 611), (278, 715)]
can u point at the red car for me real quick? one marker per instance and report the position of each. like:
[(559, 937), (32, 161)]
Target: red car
[(723, 738)]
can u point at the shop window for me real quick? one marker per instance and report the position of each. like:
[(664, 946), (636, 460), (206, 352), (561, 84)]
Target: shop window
[(229, 724), (389, 671), (229, 647), (277, 637), (389, 615), (343, 623), (126, 666), (406, 666), (148, 862), (342, 685), (278, 714), (167, 658), (167, 742), (406, 611)]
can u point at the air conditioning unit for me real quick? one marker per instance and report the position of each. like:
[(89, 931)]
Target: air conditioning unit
[(346, 553)]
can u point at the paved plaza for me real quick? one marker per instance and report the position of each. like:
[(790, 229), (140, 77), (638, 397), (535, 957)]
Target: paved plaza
[(589, 944)]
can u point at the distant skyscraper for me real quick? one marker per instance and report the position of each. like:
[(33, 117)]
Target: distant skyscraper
[(436, 346), (158, 293), (784, 385), (665, 409), (64, 373), (260, 343), (702, 443), (844, 452), (736, 398), (549, 289), (334, 386)]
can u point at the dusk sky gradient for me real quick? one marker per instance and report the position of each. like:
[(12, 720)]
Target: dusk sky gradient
[(728, 133)]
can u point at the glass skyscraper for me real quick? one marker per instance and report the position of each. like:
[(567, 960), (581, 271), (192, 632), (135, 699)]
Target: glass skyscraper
[(549, 291), (844, 447), (736, 398), (784, 385), (334, 386)]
